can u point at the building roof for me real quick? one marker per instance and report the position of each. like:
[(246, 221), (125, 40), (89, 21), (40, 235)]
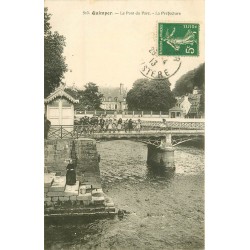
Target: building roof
[(194, 98), (175, 109), (60, 92), (72, 92), (179, 100), (113, 93)]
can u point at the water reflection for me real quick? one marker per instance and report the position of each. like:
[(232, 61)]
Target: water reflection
[(71, 231), (76, 220), (156, 172)]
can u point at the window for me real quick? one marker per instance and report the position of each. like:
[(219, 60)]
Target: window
[(54, 103), (115, 99), (103, 99), (66, 103), (110, 99)]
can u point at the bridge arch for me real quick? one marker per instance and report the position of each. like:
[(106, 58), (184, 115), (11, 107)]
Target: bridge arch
[(154, 140)]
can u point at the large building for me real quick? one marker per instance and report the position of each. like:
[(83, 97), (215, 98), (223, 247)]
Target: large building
[(114, 98)]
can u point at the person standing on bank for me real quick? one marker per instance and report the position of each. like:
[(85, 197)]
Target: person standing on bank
[(71, 173), (47, 124)]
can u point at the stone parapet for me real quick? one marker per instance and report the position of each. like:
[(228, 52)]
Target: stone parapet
[(55, 194)]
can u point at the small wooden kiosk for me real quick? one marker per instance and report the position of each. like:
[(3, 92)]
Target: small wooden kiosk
[(59, 107), (175, 112)]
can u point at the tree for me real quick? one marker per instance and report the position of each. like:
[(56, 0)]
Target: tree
[(89, 99), (151, 95), (187, 82), (54, 61)]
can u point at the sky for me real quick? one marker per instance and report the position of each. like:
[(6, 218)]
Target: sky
[(109, 50)]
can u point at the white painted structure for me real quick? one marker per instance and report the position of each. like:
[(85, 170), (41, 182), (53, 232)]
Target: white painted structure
[(59, 107), (185, 105)]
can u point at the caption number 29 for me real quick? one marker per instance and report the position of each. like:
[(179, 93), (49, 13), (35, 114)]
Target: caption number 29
[(189, 50)]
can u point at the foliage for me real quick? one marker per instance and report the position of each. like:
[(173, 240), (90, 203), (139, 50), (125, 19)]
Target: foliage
[(54, 61), (202, 103), (89, 99), (188, 81), (151, 95)]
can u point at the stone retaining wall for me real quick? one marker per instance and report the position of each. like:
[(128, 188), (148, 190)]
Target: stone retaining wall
[(82, 151), (79, 199)]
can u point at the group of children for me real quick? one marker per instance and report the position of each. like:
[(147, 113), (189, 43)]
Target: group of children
[(99, 125)]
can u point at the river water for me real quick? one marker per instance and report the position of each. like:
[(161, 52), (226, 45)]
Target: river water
[(165, 209)]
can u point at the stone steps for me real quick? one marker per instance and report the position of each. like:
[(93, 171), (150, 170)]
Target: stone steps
[(62, 199)]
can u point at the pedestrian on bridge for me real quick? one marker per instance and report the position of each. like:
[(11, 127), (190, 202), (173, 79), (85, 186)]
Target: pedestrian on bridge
[(106, 124), (102, 124), (120, 121), (138, 125), (130, 125), (119, 127), (110, 126), (126, 126), (114, 126)]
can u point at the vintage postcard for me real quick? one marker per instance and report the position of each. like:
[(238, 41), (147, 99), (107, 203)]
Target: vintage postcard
[(124, 124)]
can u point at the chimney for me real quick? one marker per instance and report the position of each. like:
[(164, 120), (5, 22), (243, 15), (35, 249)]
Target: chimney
[(121, 88), (195, 90)]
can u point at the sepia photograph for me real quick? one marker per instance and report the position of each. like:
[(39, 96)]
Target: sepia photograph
[(110, 137), (124, 125)]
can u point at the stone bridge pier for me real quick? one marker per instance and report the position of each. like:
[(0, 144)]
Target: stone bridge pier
[(163, 155)]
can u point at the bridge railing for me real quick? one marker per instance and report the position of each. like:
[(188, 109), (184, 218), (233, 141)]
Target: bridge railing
[(84, 131), (173, 125), (124, 114)]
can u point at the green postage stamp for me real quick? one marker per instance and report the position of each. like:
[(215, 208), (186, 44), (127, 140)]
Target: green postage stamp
[(178, 39)]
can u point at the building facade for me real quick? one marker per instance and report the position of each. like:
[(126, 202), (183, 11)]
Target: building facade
[(188, 104), (114, 98)]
